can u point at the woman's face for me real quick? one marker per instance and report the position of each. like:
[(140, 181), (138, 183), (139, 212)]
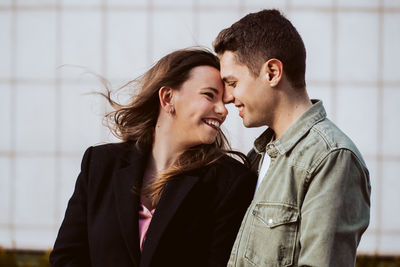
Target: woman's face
[(199, 109)]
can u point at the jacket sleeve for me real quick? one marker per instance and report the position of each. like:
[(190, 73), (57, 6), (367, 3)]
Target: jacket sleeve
[(71, 246), (335, 211), (228, 217)]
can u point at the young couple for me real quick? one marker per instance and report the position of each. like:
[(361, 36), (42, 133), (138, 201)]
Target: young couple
[(171, 195)]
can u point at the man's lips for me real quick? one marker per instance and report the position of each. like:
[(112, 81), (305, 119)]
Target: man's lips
[(241, 110)]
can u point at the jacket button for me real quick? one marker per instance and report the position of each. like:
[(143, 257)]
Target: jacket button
[(270, 221)]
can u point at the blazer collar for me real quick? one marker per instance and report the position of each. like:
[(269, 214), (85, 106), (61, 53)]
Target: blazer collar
[(173, 195), (127, 202)]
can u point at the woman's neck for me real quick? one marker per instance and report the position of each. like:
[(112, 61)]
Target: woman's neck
[(164, 152), (166, 148)]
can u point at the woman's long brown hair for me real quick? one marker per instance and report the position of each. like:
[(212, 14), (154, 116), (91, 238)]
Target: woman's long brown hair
[(136, 120)]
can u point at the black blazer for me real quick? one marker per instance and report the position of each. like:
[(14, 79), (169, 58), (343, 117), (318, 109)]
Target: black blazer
[(195, 222)]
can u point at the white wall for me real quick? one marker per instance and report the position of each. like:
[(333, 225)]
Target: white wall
[(47, 121)]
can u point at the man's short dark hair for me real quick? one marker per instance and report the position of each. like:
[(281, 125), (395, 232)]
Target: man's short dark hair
[(260, 36)]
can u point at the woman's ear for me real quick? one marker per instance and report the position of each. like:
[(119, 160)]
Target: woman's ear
[(273, 69), (166, 96)]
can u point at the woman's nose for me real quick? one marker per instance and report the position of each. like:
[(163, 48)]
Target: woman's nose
[(221, 109)]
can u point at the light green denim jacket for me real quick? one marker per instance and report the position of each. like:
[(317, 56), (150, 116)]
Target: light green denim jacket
[(314, 202)]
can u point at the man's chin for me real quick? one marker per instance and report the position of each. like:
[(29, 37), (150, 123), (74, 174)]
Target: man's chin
[(250, 124), (247, 124)]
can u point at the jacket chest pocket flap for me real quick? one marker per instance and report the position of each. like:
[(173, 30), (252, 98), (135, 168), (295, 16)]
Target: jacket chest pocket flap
[(271, 239), (275, 214)]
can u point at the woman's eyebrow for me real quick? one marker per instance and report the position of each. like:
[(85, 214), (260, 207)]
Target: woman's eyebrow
[(212, 89)]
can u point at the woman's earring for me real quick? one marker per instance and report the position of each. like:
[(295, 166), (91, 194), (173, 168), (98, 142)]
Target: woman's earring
[(171, 109)]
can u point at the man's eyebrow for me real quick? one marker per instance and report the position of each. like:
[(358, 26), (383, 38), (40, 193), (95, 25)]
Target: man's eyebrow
[(227, 78)]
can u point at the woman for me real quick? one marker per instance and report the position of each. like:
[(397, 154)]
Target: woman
[(168, 195)]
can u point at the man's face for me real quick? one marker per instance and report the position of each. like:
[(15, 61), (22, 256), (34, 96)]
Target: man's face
[(251, 95)]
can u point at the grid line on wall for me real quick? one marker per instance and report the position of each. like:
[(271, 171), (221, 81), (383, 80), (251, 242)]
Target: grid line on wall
[(328, 83), (379, 129), (58, 116), (104, 37), (74, 154), (27, 226), (143, 8), (195, 17), (104, 48), (13, 127), (334, 75), (149, 32)]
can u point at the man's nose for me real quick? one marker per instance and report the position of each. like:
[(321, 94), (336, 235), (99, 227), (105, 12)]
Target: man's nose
[(228, 95)]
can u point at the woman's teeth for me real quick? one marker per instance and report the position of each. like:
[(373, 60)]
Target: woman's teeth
[(214, 123)]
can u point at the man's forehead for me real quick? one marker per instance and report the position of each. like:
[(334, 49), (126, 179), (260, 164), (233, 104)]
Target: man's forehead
[(231, 68), (228, 57), (228, 65)]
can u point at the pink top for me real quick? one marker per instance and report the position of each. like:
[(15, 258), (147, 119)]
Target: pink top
[(145, 217)]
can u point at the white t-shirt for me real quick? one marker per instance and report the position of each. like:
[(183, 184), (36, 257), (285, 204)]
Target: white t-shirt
[(263, 170)]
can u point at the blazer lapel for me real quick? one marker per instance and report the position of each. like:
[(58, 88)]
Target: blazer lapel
[(173, 195), (127, 203)]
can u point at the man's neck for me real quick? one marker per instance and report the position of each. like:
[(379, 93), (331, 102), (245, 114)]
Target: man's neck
[(289, 110)]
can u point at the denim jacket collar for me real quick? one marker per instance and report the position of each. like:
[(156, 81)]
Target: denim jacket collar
[(296, 131)]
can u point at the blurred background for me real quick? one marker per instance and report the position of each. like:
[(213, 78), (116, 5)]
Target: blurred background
[(51, 49)]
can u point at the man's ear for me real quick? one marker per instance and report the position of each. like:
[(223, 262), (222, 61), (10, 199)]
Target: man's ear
[(166, 96), (273, 70)]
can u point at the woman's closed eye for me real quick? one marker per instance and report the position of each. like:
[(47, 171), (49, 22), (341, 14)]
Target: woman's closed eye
[(209, 94)]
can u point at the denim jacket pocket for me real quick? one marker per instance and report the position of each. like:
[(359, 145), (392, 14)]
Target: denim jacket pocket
[(272, 236)]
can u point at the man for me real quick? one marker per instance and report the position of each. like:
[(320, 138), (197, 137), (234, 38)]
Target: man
[(312, 200)]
